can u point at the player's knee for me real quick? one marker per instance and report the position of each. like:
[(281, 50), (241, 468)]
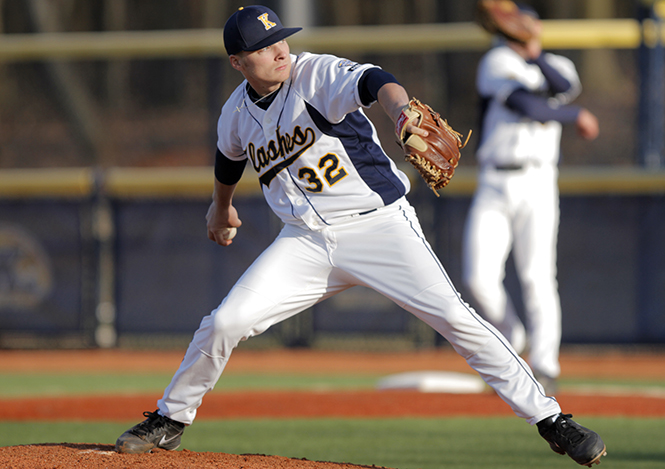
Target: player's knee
[(231, 327)]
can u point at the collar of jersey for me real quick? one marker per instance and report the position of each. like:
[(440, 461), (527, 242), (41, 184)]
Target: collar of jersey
[(262, 102)]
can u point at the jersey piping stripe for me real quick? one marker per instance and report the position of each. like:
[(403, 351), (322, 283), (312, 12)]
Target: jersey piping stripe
[(306, 197)]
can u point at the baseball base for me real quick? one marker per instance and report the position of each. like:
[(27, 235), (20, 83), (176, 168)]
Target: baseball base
[(435, 381)]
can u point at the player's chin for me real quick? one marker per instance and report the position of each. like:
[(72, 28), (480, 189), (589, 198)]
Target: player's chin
[(282, 73)]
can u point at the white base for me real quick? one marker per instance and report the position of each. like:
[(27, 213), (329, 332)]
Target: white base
[(434, 381)]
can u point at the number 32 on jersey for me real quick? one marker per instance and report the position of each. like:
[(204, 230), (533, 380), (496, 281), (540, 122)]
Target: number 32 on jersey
[(328, 168)]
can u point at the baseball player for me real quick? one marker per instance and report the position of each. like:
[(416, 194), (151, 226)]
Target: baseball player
[(525, 97), (299, 123)]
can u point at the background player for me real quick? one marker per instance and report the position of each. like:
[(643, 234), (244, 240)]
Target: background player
[(298, 120), (525, 95)]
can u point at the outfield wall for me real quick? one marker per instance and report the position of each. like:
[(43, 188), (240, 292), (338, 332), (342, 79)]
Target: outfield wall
[(121, 257)]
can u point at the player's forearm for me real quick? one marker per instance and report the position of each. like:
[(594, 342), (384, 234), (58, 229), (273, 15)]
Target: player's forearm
[(222, 194), (539, 108), (393, 98)]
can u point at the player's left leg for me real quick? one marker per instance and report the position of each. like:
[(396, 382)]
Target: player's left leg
[(536, 228), (388, 252), (487, 241)]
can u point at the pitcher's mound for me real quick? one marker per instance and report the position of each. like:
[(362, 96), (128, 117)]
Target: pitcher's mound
[(94, 456)]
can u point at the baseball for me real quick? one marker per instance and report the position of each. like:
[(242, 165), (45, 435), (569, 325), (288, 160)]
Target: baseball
[(229, 233)]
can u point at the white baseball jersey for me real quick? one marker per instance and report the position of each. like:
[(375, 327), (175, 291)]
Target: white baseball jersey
[(308, 146), (508, 137), (347, 223)]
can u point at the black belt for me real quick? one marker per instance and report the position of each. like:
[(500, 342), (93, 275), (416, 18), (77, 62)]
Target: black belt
[(368, 211), (509, 167)]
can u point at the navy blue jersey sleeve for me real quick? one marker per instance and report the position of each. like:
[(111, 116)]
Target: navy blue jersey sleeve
[(371, 82), (557, 82), (228, 171), (539, 108)]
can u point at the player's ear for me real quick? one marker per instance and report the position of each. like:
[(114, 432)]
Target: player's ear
[(235, 62)]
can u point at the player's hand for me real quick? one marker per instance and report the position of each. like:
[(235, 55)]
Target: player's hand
[(534, 46), (533, 49), (219, 218), (413, 128), (394, 99), (587, 125)]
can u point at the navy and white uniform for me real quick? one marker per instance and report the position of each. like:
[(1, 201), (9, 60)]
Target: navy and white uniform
[(347, 222), (516, 203), (318, 157)]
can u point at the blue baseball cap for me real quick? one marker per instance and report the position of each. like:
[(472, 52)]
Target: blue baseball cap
[(252, 28)]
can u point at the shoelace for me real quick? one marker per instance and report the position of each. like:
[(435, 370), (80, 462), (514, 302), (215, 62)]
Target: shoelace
[(146, 426), (569, 432)]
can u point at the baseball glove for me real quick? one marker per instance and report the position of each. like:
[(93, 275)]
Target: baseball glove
[(435, 156), (505, 18)]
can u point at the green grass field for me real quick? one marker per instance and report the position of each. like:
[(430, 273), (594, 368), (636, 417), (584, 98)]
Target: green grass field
[(405, 443), (54, 384), (460, 443)]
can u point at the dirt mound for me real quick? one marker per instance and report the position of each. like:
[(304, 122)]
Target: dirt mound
[(94, 456)]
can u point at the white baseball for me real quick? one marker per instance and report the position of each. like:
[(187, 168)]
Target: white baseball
[(229, 233)]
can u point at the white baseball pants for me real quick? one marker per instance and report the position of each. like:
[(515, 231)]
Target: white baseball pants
[(384, 250), (517, 210)]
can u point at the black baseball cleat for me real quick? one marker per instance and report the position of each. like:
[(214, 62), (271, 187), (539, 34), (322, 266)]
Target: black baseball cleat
[(565, 436), (157, 431)]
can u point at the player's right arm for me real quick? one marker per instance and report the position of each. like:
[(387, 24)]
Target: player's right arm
[(221, 213)]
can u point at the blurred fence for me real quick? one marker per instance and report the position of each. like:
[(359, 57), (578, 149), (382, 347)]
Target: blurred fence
[(119, 256), (557, 34), (118, 98)]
